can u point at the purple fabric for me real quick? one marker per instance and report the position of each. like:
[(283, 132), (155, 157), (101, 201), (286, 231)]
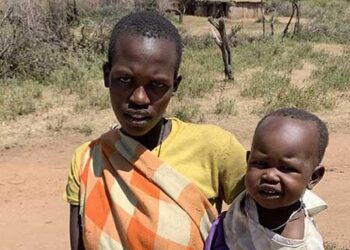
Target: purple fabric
[(216, 238)]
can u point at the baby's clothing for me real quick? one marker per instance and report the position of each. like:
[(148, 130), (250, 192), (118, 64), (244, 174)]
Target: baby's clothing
[(241, 228)]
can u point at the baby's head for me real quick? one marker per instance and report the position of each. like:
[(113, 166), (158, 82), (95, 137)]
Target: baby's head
[(286, 152)]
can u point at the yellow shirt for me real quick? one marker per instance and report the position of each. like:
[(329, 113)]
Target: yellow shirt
[(205, 154)]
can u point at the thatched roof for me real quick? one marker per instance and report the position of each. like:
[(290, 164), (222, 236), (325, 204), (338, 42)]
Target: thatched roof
[(215, 1), (230, 1), (246, 1)]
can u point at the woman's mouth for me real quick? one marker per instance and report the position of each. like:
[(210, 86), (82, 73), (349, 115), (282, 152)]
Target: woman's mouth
[(137, 118)]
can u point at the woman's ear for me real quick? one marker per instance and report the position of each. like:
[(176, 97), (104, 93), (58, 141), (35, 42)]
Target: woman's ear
[(316, 176), (177, 82), (106, 71)]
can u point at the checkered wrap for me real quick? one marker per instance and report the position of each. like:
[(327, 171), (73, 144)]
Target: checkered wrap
[(129, 199)]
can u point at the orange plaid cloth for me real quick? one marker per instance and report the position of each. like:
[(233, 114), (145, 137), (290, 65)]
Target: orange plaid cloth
[(129, 199)]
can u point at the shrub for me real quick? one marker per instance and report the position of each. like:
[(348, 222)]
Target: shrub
[(16, 99), (95, 97), (225, 106), (265, 83), (32, 39), (56, 123), (276, 92), (271, 55), (36, 40), (85, 129), (198, 42), (198, 69), (310, 98), (187, 111), (335, 74), (330, 24)]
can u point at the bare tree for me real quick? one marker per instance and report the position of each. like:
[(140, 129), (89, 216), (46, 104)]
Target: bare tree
[(182, 8), (272, 21), (224, 44), (263, 16), (298, 14), (295, 10), (72, 11)]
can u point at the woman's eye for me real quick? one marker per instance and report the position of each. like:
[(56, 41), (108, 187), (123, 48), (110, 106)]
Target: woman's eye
[(125, 80), (158, 84)]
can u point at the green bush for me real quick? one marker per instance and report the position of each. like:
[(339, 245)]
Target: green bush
[(188, 112), (335, 74), (276, 92), (96, 97), (225, 106), (75, 76), (37, 40), (265, 83), (330, 24), (18, 99), (271, 55), (198, 69), (198, 42), (310, 98)]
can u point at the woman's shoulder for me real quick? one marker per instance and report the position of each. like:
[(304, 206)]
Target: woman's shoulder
[(83, 148), (201, 129), (89, 145)]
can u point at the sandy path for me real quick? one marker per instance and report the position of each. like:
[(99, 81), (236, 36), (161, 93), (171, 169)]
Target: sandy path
[(34, 216), (32, 212)]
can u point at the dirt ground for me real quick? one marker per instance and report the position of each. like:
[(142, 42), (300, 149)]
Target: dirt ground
[(34, 164)]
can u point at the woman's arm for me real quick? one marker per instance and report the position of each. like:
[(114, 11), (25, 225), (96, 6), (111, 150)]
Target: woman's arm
[(76, 235)]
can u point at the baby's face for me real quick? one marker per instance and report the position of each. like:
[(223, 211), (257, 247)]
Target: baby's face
[(282, 159)]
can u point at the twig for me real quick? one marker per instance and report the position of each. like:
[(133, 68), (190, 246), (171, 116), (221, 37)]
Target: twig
[(7, 14)]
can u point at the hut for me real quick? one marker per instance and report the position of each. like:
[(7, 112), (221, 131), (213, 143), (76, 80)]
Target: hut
[(235, 9), (214, 8), (241, 9)]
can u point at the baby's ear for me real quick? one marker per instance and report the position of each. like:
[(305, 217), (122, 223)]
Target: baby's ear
[(106, 71), (247, 156), (316, 176)]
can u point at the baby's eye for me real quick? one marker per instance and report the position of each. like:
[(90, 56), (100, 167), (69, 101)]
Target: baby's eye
[(258, 163), (287, 169)]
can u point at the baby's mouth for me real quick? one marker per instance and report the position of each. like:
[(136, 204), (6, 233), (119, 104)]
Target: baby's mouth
[(269, 191)]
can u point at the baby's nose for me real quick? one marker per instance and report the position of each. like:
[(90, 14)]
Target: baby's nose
[(270, 175)]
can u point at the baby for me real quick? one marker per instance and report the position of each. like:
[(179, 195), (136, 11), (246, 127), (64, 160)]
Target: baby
[(275, 211)]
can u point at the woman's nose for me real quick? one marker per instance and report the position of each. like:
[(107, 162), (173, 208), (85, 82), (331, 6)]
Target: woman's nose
[(140, 96)]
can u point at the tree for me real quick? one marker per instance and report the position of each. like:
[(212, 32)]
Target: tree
[(295, 11), (182, 8), (224, 43)]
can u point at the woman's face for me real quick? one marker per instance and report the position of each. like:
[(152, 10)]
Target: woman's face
[(141, 81)]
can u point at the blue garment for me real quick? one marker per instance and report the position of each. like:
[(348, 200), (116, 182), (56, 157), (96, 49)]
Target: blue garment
[(216, 237)]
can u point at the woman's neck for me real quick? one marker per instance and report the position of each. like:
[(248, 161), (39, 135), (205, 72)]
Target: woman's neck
[(156, 135)]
